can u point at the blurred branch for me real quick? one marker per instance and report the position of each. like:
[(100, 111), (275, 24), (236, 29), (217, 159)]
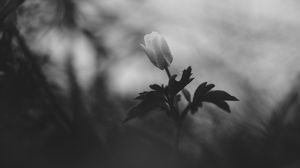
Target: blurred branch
[(42, 81), (8, 7)]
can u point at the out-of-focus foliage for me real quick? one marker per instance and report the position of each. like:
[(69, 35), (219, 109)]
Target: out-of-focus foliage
[(88, 48)]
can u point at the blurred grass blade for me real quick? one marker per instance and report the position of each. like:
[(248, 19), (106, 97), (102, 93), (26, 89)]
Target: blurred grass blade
[(7, 7)]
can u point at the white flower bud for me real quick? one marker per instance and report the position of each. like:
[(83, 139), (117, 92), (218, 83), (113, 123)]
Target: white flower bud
[(157, 49)]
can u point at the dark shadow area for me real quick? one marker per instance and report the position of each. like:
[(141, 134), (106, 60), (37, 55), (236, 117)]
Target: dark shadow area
[(57, 112)]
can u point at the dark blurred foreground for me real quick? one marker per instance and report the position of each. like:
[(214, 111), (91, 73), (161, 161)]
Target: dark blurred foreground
[(52, 119)]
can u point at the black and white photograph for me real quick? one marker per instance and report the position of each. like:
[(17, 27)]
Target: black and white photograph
[(149, 83)]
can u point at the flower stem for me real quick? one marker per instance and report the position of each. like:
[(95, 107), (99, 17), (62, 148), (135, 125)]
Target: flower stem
[(177, 119), (178, 134), (185, 111), (168, 72)]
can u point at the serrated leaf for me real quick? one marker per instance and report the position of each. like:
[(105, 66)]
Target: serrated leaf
[(201, 90), (150, 101), (218, 97), (223, 105), (141, 96), (177, 86)]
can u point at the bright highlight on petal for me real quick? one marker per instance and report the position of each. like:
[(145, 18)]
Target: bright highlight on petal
[(157, 50)]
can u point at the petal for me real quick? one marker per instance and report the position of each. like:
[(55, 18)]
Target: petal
[(161, 62), (149, 49), (148, 39), (151, 56), (156, 44), (154, 34), (166, 51), (143, 46)]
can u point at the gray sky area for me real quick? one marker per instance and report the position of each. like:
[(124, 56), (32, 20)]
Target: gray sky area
[(236, 44)]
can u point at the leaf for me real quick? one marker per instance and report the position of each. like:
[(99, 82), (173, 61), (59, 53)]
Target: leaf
[(158, 88), (223, 105), (186, 94), (218, 97), (150, 101), (142, 96), (155, 87), (178, 98), (177, 86), (202, 89)]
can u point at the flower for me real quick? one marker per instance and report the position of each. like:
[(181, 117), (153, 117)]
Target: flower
[(157, 49)]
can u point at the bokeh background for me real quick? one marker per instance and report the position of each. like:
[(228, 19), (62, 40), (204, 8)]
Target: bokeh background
[(246, 47)]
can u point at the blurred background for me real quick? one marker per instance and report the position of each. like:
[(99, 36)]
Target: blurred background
[(89, 53)]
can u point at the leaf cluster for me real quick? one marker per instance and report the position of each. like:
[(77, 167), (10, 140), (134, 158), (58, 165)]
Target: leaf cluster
[(167, 98)]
